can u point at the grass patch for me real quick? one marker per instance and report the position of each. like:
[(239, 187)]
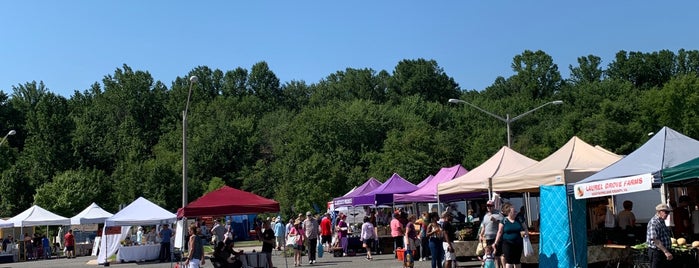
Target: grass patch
[(248, 243)]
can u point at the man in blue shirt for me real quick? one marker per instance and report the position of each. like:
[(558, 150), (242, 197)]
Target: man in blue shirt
[(165, 235), (279, 232)]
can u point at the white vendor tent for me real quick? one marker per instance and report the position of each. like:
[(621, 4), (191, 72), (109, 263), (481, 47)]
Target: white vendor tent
[(5, 224), (91, 215), (37, 216), (139, 212)]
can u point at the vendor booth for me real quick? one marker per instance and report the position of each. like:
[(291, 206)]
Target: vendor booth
[(228, 201), (139, 212), (427, 193), (346, 200), (34, 216), (574, 161), (384, 193), (92, 214)]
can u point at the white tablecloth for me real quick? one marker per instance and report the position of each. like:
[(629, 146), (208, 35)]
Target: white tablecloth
[(139, 253), (255, 259)]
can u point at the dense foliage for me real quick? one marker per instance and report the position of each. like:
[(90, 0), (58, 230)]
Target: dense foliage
[(304, 144)]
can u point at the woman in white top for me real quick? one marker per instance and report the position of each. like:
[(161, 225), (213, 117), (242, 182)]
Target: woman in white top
[(368, 236)]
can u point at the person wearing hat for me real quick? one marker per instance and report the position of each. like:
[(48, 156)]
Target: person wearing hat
[(299, 235), (310, 225), (658, 238), (279, 232), (489, 229)]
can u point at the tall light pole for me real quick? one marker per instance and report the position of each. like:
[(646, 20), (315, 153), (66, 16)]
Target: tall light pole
[(193, 79), (507, 118), (12, 132)]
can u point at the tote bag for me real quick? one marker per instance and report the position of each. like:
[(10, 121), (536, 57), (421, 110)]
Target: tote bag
[(291, 241), (527, 249)]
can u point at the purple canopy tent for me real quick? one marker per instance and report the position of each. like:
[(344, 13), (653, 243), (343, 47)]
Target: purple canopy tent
[(346, 200), (384, 193), (425, 181), (428, 192)]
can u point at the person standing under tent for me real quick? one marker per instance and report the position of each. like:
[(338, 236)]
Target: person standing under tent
[(165, 235), (424, 221), (397, 233), (47, 246), (627, 220), (310, 225), (343, 233), (326, 231), (510, 232), (218, 231), (69, 241), (658, 238), (195, 258), (435, 236), (449, 235)]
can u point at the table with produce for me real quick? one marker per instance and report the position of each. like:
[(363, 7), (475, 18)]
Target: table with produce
[(684, 254)]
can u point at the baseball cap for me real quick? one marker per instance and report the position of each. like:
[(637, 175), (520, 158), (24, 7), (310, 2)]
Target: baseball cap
[(308, 213), (490, 203), (662, 207)]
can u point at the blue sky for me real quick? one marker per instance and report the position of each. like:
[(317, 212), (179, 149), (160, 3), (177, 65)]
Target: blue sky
[(72, 44)]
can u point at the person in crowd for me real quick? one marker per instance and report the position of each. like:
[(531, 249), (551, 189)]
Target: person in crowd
[(658, 238), (488, 258), (411, 235), (139, 235), (435, 236), (69, 242), (343, 233), (218, 231), (449, 231), (310, 225), (150, 235), (268, 241), (460, 217), (397, 233), (522, 215), (279, 232), (290, 225), (469, 216), (5, 242), (326, 231), (298, 232), (226, 257), (681, 218), (195, 258), (489, 230), (510, 232), (626, 221), (424, 221), (229, 237), (165, 235), (367, 236), (46, 245), (28, 247)]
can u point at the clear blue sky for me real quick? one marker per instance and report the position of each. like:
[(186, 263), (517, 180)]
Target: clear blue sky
[(72, 44)]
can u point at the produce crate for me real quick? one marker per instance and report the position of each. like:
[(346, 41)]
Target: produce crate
[(640, 258)]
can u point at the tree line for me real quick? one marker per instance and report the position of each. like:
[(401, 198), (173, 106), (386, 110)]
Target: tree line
[(304, 144)]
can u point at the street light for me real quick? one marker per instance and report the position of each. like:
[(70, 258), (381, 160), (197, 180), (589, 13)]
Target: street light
[(193, 79), (12, 132), (507, 118)]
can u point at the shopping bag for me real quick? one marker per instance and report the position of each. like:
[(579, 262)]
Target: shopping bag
[(527, 249), (291, 241), (320, 249), (479, 249)]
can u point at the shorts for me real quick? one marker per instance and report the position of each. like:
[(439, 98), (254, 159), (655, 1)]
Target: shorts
[(368, 242), (498, 247), (448, 256), (70, 248), (326, 239)]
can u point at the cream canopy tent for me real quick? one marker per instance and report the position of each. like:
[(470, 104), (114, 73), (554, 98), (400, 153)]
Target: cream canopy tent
[(37, 216), (91, 215), (503, 162), (574, 161)]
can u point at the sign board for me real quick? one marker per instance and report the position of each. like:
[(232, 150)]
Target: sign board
[(616, 186)]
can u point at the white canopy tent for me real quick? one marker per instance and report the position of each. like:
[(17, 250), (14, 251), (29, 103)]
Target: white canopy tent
[(5, 224), (37, 216), (139, 212), (91, 215)]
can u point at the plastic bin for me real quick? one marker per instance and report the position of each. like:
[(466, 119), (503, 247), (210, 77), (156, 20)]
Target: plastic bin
[(401, 254)]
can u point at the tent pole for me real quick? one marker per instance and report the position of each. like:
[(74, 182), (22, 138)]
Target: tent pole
[(570, 226)]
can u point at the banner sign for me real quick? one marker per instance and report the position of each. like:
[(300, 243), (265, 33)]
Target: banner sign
[(616, 186)]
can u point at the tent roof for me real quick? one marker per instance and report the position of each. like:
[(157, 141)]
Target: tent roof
[(682, 172), (572, 162), (141, 212), (227, 201), (384, 193), (428, 192), (667, 148), (425, 181), (91, 215), (503, 162), (6, 224), (368, 186), (37, 216)]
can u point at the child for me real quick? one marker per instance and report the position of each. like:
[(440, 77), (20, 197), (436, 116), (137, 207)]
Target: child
[(488, 259)]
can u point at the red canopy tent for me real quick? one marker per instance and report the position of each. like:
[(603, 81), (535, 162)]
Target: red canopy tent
[(226, 201)]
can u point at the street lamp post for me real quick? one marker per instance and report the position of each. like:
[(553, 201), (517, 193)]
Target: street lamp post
[(507, 118), (193, 79), (10, 133)]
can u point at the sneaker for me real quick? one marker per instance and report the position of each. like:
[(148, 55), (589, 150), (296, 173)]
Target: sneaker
[(344, 254), (310, 262)]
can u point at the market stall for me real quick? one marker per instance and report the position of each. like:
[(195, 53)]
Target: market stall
[(35, 216), (427, 193), (138, 253)]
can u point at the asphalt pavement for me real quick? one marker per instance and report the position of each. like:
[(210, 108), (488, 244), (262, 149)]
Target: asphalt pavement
[(327, 261)]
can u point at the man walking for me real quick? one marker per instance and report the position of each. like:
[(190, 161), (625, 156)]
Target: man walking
[(165, 235), (658, 238), (326, 231), (310, 225), (279, 232), (489, 229)]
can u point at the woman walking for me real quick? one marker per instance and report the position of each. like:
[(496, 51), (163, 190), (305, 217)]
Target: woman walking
[(435, 234), (368, 236), (299, 235), (511, 232)]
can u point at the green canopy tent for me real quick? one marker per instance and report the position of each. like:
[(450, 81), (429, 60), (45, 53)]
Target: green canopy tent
[(682, 174)]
